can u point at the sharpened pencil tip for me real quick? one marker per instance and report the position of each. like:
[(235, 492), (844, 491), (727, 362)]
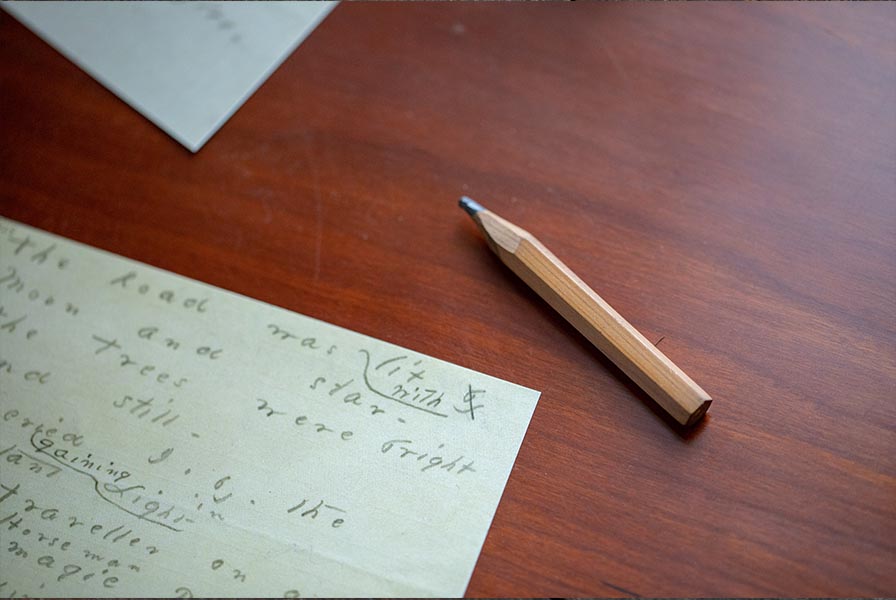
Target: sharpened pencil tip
[(471, 206)]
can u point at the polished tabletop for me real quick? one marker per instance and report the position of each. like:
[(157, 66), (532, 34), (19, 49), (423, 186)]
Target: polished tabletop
[(723, 175)]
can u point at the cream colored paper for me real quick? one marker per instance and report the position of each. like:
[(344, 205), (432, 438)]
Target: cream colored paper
[(186, 66), (161, 437)]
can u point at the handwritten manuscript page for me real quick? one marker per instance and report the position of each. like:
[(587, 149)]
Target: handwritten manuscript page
[(161, 437), (186, 66)]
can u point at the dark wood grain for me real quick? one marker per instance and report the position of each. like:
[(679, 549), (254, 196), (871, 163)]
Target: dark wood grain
[(722, 175)]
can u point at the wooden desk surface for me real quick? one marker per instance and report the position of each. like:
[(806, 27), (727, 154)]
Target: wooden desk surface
[(722, 175)]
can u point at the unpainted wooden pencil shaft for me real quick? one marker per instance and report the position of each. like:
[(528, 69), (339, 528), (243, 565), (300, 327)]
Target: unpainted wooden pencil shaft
[(643, 362)]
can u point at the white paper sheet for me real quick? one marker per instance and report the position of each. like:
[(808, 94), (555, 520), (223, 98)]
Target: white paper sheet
[(161, 437), (186, 66)]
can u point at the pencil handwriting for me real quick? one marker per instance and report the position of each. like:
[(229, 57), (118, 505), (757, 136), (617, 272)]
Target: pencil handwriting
[(160, 436)]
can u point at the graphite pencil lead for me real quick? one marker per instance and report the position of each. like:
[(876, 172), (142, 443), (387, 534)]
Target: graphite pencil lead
[(471, 206)]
